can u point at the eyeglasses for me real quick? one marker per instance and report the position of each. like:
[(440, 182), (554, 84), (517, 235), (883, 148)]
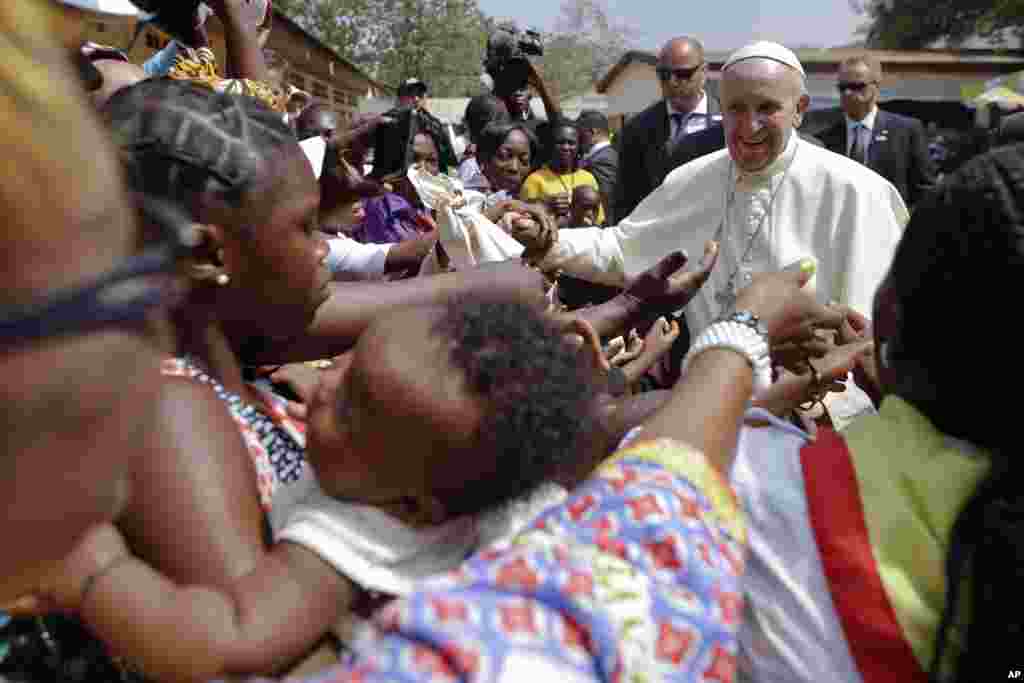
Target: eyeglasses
[(666, 74), (854, 87), (120, 297)]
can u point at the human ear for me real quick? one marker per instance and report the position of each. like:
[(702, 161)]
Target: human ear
[(206, 262), (801, 109)]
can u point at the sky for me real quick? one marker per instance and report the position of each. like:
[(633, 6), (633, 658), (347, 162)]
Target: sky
[(719, 24)]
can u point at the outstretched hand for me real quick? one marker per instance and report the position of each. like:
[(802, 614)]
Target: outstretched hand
[(790, 312), (537, 235), (666, 287)]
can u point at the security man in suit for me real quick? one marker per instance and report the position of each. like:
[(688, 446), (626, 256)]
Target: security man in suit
[(599, 156), (647, 140), (894, 146)]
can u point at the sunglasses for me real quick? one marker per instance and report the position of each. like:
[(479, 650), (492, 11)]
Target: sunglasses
[(121, 297), (666, 74), (853, 87)]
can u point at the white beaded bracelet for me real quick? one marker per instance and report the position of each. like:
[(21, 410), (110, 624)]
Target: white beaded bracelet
[(742, 339)]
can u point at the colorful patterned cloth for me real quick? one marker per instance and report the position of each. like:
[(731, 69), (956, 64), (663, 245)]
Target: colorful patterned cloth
[(276, 442), (200, 66), (636, 577)]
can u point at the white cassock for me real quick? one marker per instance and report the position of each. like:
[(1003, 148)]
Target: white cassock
[(808, 203)]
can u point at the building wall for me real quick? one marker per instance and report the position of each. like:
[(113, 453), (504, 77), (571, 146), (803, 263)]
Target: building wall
[(635, 89), (312, 67)]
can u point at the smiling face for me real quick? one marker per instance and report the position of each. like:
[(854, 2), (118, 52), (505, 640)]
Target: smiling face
[(565, 147), (424, 151), (762, 102), (509, 166)]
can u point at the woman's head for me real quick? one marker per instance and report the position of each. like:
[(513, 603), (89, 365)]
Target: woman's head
[(235, 167), (505, 153), (565, 146), (487, 404), (963, 248), (942, 316), (481, 111)]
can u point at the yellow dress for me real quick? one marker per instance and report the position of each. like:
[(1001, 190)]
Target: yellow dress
[(544, 183)]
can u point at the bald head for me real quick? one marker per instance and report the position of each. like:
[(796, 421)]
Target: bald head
[(682, 73), (116, 76), (682, 45)]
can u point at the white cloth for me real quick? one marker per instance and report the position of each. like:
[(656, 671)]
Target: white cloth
[(791, 631), (851, 125), (379, 552), (827, 207), (471, 176), (351, 260), (693, 121), (315, 150), (467, 235), (598, 146), (764, 49)]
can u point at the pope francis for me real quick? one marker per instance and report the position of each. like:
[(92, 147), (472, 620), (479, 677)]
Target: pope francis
[(769, 200)]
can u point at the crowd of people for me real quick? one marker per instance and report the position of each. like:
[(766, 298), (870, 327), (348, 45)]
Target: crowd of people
[(294, 398)]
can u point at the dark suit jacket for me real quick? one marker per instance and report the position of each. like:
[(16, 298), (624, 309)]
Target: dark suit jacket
[(898, 152), (605, 167), (644, 151)]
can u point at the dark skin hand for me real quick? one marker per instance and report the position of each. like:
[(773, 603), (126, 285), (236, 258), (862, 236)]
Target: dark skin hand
[(662, 289), (667, 287), (244, 56)]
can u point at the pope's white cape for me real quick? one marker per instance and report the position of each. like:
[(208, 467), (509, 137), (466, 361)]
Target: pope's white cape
[(828, 207)]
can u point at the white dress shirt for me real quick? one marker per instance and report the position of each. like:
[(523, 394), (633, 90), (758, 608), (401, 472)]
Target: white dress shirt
[(351, 260), (693, 123), (598, 146), (828, 207), (851, 125)]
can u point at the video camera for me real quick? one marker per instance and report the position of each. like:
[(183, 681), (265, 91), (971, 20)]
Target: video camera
[(507, 58)]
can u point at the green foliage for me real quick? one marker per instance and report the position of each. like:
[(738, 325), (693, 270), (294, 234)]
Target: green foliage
[(442, 41), (916, 24)]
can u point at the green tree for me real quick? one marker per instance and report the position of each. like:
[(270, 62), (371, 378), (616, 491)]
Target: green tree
[(439, 41), (915, 24), (586, 43)]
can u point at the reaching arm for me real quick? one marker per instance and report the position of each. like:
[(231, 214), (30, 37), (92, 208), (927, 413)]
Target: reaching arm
[(260, 624), (545, 93), (353, 306), (244, 55), (710, 421)]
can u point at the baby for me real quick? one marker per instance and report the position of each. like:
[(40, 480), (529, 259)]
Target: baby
[(423, 453), (585, 207)]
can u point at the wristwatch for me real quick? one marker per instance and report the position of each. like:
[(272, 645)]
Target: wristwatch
[(750, 320)]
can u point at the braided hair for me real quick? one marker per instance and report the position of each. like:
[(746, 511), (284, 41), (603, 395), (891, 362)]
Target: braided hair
[(181, 140), (965, 243)]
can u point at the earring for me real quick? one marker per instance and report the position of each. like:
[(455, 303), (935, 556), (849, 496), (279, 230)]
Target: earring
[(223, 279)]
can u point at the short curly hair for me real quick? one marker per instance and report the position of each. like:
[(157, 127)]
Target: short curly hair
[(535, 392)]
